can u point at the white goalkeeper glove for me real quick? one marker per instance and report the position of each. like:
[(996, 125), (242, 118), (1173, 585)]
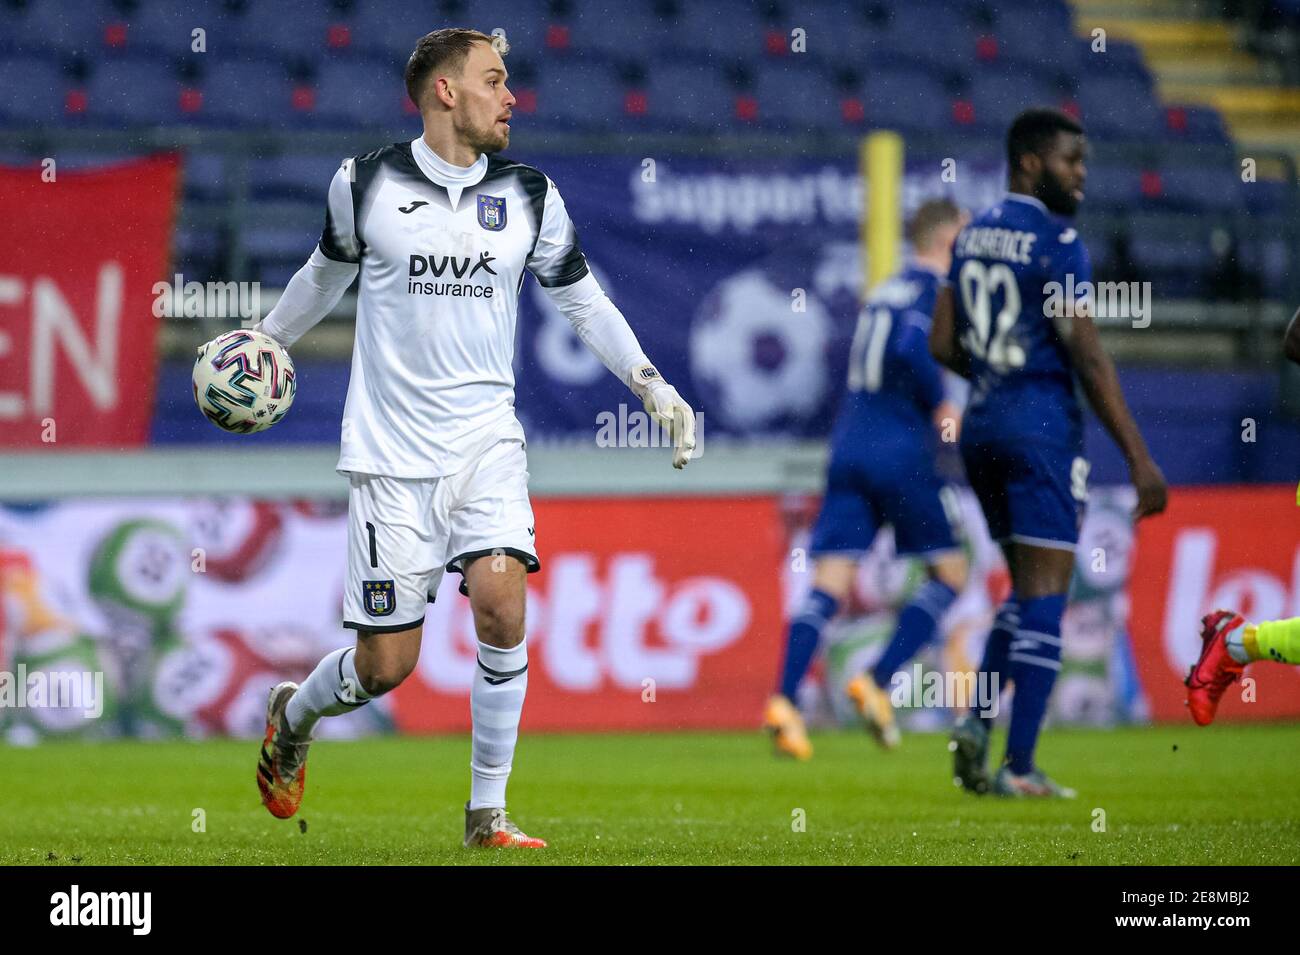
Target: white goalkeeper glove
[(665, 406)]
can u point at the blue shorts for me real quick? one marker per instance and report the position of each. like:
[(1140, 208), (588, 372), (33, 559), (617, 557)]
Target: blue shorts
[(1031, 492), (859, 499)]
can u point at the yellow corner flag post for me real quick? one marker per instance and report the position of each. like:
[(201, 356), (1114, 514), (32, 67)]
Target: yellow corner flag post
[(881, 160)]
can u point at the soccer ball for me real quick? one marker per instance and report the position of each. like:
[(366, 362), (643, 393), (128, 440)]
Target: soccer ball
[(244, 381)]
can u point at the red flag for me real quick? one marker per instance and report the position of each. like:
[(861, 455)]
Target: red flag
[(77, 327)]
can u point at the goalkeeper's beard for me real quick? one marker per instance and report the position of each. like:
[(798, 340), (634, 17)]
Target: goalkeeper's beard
[(486, 139)]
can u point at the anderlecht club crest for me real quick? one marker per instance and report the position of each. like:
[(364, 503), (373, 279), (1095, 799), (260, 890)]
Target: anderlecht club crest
[(378, 596), (492, 212)]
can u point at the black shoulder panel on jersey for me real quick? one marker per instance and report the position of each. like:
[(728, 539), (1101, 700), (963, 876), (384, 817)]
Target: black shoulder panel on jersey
[(534, 184), (532, 181), (364, 171), (404, 160), (570, 270), (329, 245)]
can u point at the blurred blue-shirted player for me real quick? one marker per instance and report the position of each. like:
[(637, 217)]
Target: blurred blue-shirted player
[(1015, 318), (882, 471)]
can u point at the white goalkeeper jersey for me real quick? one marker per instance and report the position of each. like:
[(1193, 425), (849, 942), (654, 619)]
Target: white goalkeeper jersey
[(442, 252)]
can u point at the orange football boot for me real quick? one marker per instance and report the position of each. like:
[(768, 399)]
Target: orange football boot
[(491, 828), (782, 720), (875, 707), (282, 767)]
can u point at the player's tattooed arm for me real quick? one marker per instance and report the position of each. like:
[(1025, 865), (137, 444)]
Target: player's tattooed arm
[(944, 346), (1101, 384), (1291, 343)]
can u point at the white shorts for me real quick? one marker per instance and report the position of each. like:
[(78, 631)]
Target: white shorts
[(405, 533)]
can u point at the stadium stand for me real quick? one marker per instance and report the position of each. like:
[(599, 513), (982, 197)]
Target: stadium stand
[(935, 69)]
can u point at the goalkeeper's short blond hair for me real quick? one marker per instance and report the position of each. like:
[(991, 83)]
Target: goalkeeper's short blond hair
[(445, 50)]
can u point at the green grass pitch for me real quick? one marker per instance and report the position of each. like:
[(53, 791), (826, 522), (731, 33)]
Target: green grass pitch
[(1223, 795)]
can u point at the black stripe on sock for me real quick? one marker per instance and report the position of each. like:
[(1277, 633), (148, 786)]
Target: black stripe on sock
[(502, 674), (342, 678)]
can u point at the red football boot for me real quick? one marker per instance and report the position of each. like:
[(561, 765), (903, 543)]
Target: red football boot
[(1216, 670)]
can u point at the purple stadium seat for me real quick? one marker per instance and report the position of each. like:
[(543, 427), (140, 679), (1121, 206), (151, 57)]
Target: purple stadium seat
[(524, 21), (999, 96), (906, 100), (687, 95), (836, 34), (246, 93), (35, 88), (1036, 34), (44, 26), (1270, 257), (133, 91), (168, 27), (1214, 188), (937, 33), (1195, 124), (1120, 58), (198, 251), (205, 175), (1112, 186), (724, 32), (100, 28), (1119, 107), (620, 30), (268, 241), (1266, 196), (359, 92), (578, 94), (291, 30), (795, 93), (392, 27), (1177, 264), (304, 176)]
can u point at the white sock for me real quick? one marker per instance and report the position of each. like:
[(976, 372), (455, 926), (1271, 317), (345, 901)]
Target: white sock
[(496, 700), (1236, 645), (333, 688)]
